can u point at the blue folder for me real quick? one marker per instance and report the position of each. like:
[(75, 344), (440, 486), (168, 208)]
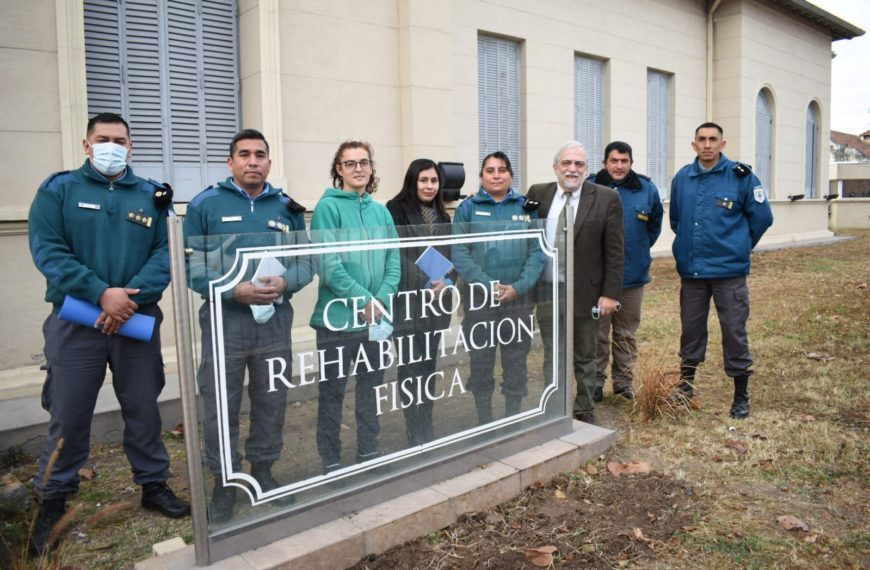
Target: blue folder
[(139, 327), (433, 263)]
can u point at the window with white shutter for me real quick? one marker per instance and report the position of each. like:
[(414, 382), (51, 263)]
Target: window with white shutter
[(812, 152), (170, 68), (589, 108), (498, 92), (763, 139), (658, 130)]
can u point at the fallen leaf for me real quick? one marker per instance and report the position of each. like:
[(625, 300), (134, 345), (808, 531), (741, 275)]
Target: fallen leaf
[(633, 466), (766, 465), (86, 473), (735, 445), (758, 435), (587, 548), (178, 431), (805, 418), (541, 556), (638, 534), (861, 286), (716, 459), (820, 356), (591, 469), (811, 538), (560, 495), (789, 522), (587, 501)]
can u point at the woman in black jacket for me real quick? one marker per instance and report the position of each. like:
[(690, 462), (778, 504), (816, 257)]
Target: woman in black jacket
[(419, 204)]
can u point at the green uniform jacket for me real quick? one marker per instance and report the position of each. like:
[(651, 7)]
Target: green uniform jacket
[(517, 263), (88, 234), (223, 218), (347, 217)]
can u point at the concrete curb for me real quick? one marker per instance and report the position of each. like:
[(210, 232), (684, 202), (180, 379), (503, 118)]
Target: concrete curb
[(343, 542)]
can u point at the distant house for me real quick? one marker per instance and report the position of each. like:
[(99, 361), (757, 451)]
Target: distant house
[(846, 147)]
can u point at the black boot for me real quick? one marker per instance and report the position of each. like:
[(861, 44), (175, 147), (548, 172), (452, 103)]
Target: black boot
[(50, 512), (223, 500), (262, 472), (598, 394), (687, 378), (512, 405), (483, 402), (740, 406), (159, 497)]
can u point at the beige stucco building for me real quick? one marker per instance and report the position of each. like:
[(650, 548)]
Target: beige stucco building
[(447, 79)]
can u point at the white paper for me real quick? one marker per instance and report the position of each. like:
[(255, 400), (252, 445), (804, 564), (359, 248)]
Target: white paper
[(269, 267)]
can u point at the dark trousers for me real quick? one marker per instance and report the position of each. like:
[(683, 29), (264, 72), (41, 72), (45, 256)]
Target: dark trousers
[(246, 346), (76, 360), (585, 336), (515, 372), (418, 416), (731, 297), (344, 347)]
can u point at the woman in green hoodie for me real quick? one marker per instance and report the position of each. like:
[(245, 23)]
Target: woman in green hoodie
[(355, 289)]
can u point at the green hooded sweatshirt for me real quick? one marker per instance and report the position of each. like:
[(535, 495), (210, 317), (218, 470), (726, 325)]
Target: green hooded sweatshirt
[(345, 218)]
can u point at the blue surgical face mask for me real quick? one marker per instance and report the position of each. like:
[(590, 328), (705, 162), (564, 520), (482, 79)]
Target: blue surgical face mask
[(262, 313), (109, 158)]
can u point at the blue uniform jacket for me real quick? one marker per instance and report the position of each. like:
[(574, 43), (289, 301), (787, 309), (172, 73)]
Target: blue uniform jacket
[(511, 262), (223, 218), (88, 234), (717, 217), (642, 215)]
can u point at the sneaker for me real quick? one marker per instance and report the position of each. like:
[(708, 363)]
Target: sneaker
[(50, 513), (159, 497)]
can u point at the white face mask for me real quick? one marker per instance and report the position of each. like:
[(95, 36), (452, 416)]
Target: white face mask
[(109, 158)]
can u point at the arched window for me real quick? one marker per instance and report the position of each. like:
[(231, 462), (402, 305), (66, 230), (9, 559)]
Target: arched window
[(764, 138), (811, 178)]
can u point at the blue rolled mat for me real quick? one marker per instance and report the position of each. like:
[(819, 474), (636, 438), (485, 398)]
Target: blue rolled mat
[(139, 327)]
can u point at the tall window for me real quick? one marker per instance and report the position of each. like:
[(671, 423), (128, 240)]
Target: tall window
[(811, 176), (763, 139), (498, 99), (589, 107), (170, 68), (658, 130)]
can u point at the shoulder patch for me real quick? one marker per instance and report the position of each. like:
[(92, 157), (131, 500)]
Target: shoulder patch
[(758, 194), (531, 205), (162, 193), (741, 169)]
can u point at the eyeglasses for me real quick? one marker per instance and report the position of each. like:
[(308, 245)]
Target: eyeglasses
[(352, 164), (568, 163)]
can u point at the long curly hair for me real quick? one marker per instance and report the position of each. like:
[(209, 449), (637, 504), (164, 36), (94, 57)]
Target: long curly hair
[(338, 181)]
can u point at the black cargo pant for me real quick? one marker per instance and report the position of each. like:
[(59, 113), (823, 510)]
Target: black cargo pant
[(731, 297)]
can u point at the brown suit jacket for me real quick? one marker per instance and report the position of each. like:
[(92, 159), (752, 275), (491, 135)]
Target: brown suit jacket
[(598, 242)]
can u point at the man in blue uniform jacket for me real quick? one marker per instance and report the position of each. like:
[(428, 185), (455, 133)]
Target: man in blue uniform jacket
[(718, 213), (642, 215), (98, 234), (245, 211)]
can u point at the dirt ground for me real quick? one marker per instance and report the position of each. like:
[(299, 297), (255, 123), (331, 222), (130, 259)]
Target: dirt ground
[(718, 490)]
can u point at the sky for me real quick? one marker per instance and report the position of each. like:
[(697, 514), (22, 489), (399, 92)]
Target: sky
[(850, 70)]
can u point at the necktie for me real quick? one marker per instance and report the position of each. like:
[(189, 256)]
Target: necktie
[(566, 196)]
